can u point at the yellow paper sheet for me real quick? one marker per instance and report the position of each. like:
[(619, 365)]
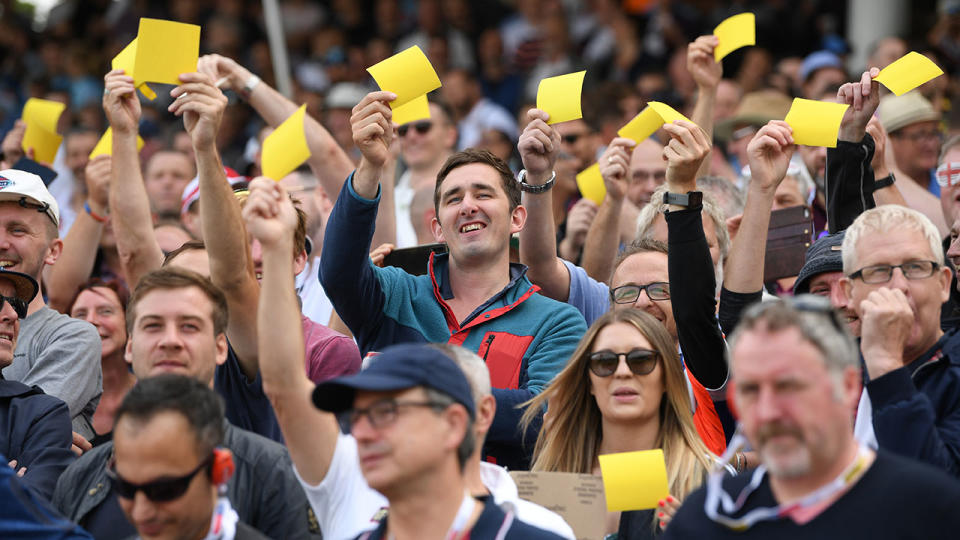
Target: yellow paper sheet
[(286, 148), (908, 72), (733, 33), (105, 144), (417, 109), (41, 116), (815, 123), (408, 74), (634, 480), (590, 182), (125, 60), (560, 97), (164, 50), (649, 120)]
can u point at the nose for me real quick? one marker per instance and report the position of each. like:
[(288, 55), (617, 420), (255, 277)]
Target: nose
[(838, 298), (362, 429), (170, 339), (643, 300), (767, 406), (142, 508), (898, 281), (7, 314), (623, 370)]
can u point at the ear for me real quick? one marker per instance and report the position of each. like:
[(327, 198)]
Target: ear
[(456, 417), (221, 346), (437, 230), (852, 386), (945, 275), (486, 410), (54, 251), (128, 352), (300, 262), (517, 219)]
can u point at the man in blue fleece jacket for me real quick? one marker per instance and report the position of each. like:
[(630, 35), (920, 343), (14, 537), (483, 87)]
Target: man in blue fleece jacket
[(473, 296)]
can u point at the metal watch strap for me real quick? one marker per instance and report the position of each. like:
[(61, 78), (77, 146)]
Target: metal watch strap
[(535, 189)]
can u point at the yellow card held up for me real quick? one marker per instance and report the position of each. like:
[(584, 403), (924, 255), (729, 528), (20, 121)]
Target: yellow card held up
[(408, 74), (560, 97), (590, 182), (654, 115), (634, 480), (105, 144), (733, 33), (41, 116), (417, 109), (908, 72), (815, 123), (124, 60), (286, 148), (164, 50)]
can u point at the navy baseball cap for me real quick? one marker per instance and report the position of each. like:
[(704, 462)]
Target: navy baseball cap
[(398, 368), (825, 255)]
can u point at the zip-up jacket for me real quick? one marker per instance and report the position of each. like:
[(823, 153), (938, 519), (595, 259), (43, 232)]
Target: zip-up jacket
[(848, 182), (525, 338)]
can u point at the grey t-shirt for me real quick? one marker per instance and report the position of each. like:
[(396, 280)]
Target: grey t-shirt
[(61, 355)]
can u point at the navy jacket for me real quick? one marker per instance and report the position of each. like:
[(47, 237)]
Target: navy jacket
[(35, 430), (916, 409)]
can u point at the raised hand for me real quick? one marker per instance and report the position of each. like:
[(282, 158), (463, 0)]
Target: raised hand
[(269, 213), (220, 68), (380, 252), (539, 146), (13, 143), (769, 155), (372, 128), (120, 102), (879, 135), (579, 219), (700, 63), (201, 104), (886, 321), (687, 148), (97, 177), (615, 166), (863, 97)]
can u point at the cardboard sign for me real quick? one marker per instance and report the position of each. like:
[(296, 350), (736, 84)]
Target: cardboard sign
[(908, 72), (408, 74), (578, 498), (285, 148)]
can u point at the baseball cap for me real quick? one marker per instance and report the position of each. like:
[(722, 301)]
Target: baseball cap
[(398, 367), (25, 187), (345, 95), (191, 193), (26, 287), (825, 255), (819, 60), (897, 112)]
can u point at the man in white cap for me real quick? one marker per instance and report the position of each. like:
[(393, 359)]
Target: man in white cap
[(59, 354)]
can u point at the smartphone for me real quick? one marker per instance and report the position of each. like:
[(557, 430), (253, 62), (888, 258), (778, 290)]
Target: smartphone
[(413, 260), (789, 236)]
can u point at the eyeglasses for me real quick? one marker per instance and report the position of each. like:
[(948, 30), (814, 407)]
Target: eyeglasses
[(572, 138), (882, 273), (18, 305), (640, 362), (628, 294), (920, 136), (385, 412), (421, 127), (163, 490)]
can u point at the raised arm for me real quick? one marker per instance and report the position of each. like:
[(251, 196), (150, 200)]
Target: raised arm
[(603, 240), (884, 192), (310, 435), (706, 72), (80, 246), (129, 205)]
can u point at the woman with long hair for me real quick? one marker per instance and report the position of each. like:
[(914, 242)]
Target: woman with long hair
[(623, 390)]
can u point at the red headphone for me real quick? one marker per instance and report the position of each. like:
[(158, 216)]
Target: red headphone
[(222, 466)]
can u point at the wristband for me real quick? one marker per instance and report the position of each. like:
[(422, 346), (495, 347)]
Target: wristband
[(94, 215), (248, 86), (886, 181), (535, 189)]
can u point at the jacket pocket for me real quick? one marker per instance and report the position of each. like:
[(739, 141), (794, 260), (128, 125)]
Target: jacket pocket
[(503, 353)]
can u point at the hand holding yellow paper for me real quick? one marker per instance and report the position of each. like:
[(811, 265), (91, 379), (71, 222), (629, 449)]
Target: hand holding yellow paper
[(164, 50), (733, 33), (125, 60), (560, 97), (634, 480), (908, 72), (286, 148), (815, 123), (105, 144), (590, 182), (416, 109), (408, 74), (649, 120), (42, 116)]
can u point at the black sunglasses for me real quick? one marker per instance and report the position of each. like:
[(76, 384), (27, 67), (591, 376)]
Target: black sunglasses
[(163, 490), (421, 127), (640, 362), (18, 305)]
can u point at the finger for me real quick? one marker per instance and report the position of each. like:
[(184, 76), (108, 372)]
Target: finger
[(370, 109), (865, 81), (374, 97), (544, 140), (622, 144), (857, 97), (538, 114), (193, 88), (195, 77)]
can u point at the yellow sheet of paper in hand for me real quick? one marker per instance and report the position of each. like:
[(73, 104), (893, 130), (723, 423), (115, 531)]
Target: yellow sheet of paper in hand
[(908, 72), (41, 116), (417, 109), (815, 123), (649, 120), (105, 144), (733, 33), (590, 182), (634, 480), (286, 148), (408, 74), (560, 97), (124, 60), (164, 50)]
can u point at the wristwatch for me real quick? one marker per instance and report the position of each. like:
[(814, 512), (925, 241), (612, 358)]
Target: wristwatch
[(886, 181), (535, 189), (688, 199)]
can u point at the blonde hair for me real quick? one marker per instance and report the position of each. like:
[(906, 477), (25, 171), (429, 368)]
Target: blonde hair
[(885, 219), (570, 438)]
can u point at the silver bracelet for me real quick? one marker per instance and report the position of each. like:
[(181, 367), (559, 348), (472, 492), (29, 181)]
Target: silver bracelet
[(248, 86)]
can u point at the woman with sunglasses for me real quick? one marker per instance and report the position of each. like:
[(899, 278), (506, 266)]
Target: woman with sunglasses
[(623, 390)]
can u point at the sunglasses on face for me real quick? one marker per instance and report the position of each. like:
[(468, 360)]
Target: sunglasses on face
[(640, 362), (572, 138), (18, 305), (421, 127), (162, 490)]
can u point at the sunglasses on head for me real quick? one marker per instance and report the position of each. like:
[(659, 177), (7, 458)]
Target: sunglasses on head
[(162, 490), (18, 305), (421, 127), (640, 362)]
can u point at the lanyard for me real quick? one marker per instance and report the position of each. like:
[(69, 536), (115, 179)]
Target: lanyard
[(223, 523), (716, 496), (460, 522)]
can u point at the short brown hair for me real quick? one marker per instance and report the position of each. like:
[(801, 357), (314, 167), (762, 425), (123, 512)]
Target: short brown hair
[(475, 155), (644, 244), (179, 278)]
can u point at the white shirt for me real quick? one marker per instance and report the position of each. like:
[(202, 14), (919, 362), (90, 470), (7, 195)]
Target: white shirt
[(346, 506), (402, 199), (314, 302)]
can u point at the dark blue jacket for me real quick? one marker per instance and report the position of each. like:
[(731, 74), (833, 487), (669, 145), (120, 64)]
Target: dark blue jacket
[(916, 409), (35, 430), (25, 515)]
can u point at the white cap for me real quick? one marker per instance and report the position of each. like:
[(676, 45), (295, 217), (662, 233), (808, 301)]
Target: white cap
[(25, 187)]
